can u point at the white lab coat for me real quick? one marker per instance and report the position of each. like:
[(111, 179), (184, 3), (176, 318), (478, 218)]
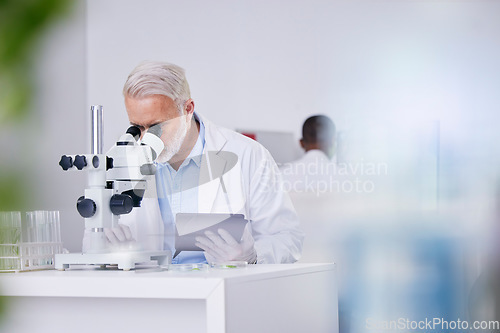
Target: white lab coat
[(313, 172), (252, 188)]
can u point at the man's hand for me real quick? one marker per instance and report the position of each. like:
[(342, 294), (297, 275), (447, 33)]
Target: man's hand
[(120, 237), (223, 247)]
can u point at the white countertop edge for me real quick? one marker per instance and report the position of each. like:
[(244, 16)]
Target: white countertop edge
[(161, 285)]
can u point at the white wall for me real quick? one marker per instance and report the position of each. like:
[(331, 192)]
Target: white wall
[(269, 64), (257, 65)]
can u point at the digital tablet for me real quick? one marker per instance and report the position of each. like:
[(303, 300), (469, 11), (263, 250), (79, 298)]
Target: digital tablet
[(191, 225)]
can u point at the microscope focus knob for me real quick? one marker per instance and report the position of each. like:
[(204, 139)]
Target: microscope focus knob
[(66, 162), (121, 204), (80, 162), (86, 207)]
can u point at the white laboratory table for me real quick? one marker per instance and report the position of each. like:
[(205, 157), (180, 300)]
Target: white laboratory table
[(260, 298)]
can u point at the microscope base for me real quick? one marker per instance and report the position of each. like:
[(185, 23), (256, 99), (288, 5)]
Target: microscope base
[(124, 260)]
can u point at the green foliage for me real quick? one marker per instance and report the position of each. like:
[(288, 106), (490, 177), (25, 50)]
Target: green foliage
[(22, 22), (3, 304), (12, 191)]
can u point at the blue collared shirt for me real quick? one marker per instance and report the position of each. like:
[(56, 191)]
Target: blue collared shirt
[(178, 193)]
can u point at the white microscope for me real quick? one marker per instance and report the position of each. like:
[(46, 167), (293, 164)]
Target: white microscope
[(116, 184)]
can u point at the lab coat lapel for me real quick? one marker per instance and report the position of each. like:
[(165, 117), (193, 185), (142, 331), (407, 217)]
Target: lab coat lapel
[(212, 168)]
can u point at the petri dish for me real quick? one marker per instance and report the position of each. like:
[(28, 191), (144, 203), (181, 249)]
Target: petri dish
[(187, 267), (229, 264)]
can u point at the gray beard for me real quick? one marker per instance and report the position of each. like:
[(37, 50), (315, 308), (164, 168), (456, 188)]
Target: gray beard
[(173, 148)]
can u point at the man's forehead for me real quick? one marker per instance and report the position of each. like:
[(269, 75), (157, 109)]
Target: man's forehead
[(150, 99), (150, 110)]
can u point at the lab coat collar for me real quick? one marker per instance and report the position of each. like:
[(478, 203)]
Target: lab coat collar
[(214, 139), (212, 167), (197, 151)]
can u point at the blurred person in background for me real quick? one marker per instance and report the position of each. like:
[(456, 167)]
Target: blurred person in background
[(309, 181), (313, 170)]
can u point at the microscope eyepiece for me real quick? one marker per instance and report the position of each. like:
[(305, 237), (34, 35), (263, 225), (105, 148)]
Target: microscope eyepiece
[(135, 132), (152, 138)]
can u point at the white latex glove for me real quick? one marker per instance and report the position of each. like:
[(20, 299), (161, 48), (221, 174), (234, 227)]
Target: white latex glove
[(120, 237), (223, 247)]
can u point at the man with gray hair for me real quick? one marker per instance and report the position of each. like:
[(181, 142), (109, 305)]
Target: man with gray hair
[(157, 93)]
